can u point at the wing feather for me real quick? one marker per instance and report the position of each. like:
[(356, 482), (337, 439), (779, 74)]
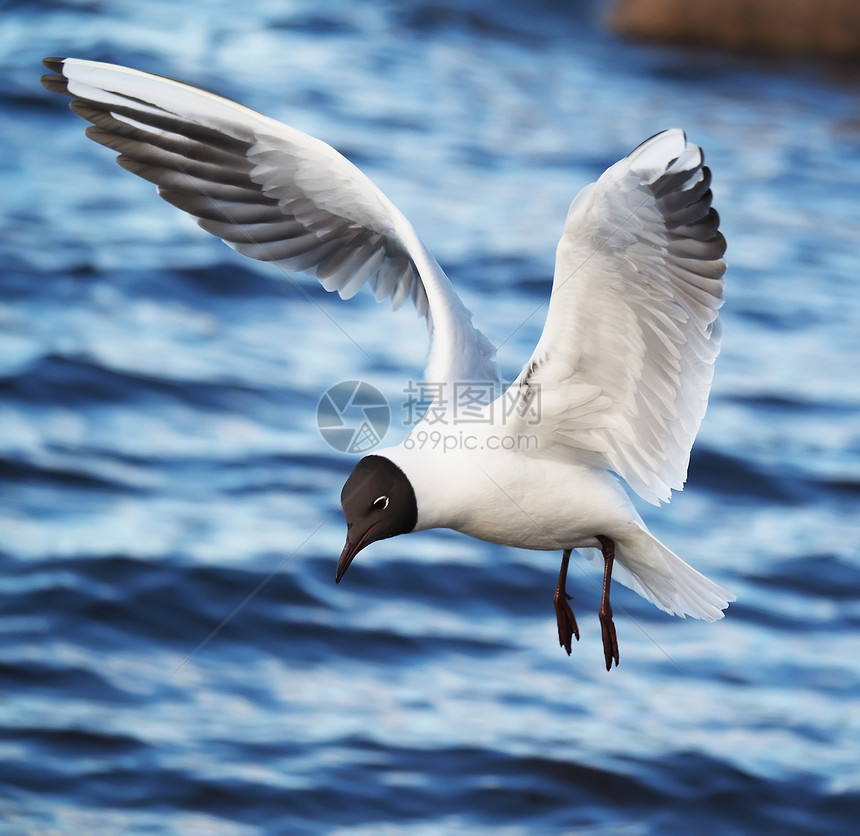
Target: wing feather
[(633, 313), (274, 194)]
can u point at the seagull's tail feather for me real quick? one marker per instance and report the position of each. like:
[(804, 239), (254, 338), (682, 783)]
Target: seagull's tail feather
[(646, 566)]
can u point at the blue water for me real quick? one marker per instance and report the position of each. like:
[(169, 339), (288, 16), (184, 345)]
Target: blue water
[(161, 473)]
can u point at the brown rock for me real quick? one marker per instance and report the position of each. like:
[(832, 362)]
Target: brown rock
[(794, 27)]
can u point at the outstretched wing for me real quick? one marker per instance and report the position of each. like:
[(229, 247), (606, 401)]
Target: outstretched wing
[(625, 361), (274, 194)]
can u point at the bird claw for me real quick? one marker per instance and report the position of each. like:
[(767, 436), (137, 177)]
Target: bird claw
[(610, 641), (567, 627)]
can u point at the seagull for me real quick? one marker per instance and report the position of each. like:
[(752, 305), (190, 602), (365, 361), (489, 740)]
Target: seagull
[(614, 392)]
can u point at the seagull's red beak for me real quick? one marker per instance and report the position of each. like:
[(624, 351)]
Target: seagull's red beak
[(350, 550)]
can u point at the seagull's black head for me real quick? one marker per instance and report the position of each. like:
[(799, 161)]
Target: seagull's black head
[(378, 502)]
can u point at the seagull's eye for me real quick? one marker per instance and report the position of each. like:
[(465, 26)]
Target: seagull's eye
[(380, 503)]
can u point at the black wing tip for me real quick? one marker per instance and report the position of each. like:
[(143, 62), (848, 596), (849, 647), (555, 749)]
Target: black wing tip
[(55, 83)]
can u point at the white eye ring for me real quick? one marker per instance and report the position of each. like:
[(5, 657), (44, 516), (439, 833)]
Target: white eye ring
[(380, 503)]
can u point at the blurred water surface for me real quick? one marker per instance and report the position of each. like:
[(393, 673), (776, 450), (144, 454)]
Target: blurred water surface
[(159, 460)]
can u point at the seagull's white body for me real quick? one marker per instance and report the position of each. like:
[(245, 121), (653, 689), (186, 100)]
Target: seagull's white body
[(617, 385), (528, 502), (513, 499)]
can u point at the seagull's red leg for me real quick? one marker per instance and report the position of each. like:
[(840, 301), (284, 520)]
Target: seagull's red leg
[(567, 628), (607, 626)]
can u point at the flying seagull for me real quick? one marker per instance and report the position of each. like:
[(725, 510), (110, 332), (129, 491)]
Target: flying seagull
[(615, 389)]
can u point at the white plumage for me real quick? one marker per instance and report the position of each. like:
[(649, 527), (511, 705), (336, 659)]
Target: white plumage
[(626, 357), (623, 367), (273, 193)]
